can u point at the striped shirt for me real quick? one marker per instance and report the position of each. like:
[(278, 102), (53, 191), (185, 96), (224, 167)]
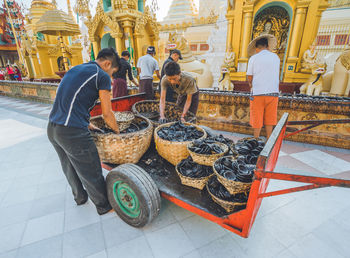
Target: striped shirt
[(77, 94)]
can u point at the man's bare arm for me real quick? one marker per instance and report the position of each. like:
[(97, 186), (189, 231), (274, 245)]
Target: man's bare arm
[(157, 73), (162, 103), (250, 80), (186, 107), (106, 106)]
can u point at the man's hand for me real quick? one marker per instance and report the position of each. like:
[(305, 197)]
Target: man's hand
[(92, 127), (107, 112), (183, 120)]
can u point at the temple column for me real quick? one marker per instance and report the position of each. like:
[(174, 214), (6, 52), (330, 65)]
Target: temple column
[(95, 47), (247, 30), (229, 32), (138, 50), (297, 31), (119, 42), (128, 32)]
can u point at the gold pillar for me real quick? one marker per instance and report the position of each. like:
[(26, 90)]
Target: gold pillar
[(247, 30), (95, 48), (119, 42), (229, 32), (138, 50), (297, 31)]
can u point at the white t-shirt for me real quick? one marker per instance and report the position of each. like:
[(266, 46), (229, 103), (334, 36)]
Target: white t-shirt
[(148, 65), (265, 68)]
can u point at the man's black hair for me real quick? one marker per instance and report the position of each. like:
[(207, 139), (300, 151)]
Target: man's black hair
[(263, 42), (126, 53), (109, 54), (172, 68)]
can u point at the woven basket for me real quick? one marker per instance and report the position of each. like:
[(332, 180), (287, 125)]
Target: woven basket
[(171, 112), (198, 183), (228, 206), (173, 152), (207, 159), (122, 148), (233, 187)]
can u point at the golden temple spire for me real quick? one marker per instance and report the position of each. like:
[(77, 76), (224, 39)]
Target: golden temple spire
[(70, 12), (82, 8)]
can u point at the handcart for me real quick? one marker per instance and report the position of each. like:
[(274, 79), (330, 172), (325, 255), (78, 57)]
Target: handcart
[(135, 193)]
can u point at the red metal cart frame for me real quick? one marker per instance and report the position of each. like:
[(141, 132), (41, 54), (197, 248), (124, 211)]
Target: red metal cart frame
[(242, 221)]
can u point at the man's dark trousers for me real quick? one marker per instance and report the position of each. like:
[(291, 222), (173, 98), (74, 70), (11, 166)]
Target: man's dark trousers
[(80, 164)]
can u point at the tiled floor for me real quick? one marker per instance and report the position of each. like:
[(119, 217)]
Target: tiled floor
[(38, 216)]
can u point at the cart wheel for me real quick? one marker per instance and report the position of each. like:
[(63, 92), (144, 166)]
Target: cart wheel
[(133, 194)]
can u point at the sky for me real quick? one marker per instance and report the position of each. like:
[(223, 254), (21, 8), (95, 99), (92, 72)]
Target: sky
[(62, 4)]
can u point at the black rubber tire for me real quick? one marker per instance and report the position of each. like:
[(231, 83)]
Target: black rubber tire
[(143, 186)]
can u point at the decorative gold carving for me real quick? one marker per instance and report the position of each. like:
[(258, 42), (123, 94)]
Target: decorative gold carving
[(57, 51), (345, 59), (275, 21), (309, 57)]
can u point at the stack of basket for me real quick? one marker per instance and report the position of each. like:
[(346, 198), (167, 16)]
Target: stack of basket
[(201, 159), (122, 148)]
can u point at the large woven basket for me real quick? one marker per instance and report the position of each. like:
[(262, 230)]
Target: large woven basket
[(228, 206), (198, 183), (122, 148), (173, 152), (172, 112), (232, 186), (207, 159)]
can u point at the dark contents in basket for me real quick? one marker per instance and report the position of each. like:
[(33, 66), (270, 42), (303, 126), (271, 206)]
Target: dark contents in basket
[(220, 191), (134, 127), (220, 138), (250, 146), (236, 170), (151, 115), (191, 169), (179, 132), (206, 146)]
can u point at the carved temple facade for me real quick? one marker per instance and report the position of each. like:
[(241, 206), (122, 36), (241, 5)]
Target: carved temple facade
[(123, 24), (293, 22)]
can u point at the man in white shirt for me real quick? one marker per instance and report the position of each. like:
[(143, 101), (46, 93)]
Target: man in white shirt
[(263, 78), (146, 66)]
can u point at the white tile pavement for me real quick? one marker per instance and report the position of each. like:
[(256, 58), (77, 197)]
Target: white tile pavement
[(38, 216)]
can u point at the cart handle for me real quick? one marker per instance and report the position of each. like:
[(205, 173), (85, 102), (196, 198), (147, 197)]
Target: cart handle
[(314, 123), (321, 181)]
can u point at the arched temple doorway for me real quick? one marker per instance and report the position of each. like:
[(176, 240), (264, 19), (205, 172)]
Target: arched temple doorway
[(274, 19), (107, 41)]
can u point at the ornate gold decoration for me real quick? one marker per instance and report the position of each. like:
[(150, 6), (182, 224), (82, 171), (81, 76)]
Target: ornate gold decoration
[(82, 8), (57, 49), (309, 57), (345, 59), (99, 17), (275, 21)]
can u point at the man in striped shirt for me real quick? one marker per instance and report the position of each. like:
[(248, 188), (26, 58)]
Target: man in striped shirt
[(69, 124)]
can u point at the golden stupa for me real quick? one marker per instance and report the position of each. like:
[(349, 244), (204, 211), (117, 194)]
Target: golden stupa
[(48, 34)]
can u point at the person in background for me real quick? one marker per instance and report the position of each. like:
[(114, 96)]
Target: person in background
[(2, 74), (10, 72), (175, 55), (18, 74), (263, 78), (69, 124), (120, 87), (146, 66), (184, 85)]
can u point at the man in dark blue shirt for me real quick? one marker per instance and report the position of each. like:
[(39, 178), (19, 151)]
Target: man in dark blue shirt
[(69, 124)]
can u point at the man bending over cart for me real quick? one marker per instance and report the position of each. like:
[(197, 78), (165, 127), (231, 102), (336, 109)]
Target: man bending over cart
[(68, 128), (184, 85)]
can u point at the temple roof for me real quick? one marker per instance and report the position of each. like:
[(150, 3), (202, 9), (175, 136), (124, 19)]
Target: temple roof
[(181, 10), (56, 21)]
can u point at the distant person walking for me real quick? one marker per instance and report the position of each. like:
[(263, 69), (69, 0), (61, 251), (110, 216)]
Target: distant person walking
[(18, 75), (120, 87), (263, 78), (146, 66), (175, 55), (10, 72)]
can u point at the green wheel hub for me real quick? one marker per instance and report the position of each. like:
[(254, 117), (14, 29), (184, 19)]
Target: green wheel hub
[(126, 199)]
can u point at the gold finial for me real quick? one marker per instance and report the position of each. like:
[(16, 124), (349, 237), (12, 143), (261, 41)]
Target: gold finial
[(82, 8)]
